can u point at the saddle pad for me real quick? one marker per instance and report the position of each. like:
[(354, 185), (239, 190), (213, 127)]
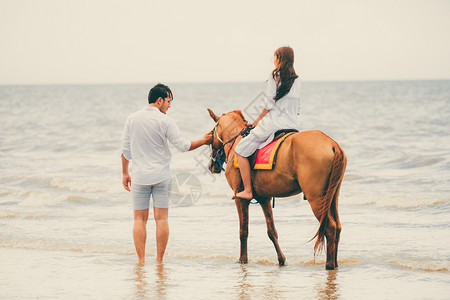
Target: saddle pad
[(266, 156)]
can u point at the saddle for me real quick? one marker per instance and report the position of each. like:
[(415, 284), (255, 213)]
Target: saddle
[(265, 158)]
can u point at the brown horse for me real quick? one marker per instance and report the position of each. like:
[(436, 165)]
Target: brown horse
[(308, 162)]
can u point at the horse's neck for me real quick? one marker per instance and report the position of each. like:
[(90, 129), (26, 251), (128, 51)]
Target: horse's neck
[(231, 131)]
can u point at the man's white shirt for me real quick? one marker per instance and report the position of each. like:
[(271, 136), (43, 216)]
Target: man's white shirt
[(144, 143)]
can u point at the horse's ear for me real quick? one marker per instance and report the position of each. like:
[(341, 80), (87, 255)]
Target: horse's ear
[(213, 115), (239, 113)]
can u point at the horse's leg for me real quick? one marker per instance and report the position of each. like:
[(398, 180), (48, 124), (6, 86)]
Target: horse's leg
[(335, 215), (330, 230), (242, 208), (331, 235), (320, 187), (336, 242), (271, 231)]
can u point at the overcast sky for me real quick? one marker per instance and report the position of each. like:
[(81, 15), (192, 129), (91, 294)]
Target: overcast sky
[(108, 41)]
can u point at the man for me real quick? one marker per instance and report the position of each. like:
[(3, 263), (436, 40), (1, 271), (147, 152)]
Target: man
[(144, 142)]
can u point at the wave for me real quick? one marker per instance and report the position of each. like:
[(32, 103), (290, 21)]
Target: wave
[(414, 263), (351, 176), (36, 244), (22, 215), (422, 266), (38, 191), (5, 193), (70, 184), (85, 185), (38, 198), (408, 162), (25, 181), (79, 199), (380, 200)]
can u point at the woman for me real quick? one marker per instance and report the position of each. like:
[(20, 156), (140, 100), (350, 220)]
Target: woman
[(281, 111)]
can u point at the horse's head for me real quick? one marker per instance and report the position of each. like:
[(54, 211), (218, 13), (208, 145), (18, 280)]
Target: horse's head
[(217, 151), (226, 125)]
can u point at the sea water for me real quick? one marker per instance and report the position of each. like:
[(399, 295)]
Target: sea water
[(66, 221)]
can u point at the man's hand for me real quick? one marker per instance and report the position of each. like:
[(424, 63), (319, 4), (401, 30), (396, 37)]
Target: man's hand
[(126, 181), (208, 138)]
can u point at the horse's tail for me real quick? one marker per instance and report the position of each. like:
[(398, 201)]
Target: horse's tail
[(330, 198)]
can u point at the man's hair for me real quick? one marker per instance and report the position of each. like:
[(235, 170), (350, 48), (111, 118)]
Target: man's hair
[(159, 90)]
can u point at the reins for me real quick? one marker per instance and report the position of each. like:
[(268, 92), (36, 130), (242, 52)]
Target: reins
[(221, 151), (244, 132)]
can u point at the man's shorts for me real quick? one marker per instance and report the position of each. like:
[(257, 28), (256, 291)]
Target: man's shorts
[(160, 193)]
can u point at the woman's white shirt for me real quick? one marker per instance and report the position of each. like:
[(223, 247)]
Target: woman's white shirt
[(283, 114)]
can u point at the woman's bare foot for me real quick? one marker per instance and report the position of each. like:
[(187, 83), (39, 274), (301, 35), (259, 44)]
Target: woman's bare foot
[(247, 195)]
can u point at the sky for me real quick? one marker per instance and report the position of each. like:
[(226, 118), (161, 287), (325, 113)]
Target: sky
[(136, 41)]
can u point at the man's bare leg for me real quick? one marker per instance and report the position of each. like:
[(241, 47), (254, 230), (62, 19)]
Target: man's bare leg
[(162, 231), (140, 232)]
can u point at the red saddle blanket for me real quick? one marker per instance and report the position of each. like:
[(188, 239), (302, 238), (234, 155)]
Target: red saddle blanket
[(265, 157)]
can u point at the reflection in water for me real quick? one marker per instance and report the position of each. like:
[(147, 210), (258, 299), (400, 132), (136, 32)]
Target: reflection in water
[(143, 287), (140, 280), (259, 284), (160, 278), (272, 288), (244, 288), (329, 289)]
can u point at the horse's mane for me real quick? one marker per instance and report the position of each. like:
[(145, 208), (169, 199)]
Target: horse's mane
[(239, 114)]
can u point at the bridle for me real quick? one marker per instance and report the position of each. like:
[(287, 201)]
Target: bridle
[(220, 157)]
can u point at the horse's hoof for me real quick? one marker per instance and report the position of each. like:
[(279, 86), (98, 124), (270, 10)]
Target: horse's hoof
[(330, 267), (282, 261), (243, 261)]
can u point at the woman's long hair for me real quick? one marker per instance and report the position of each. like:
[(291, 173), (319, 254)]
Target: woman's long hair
[(285, 74)]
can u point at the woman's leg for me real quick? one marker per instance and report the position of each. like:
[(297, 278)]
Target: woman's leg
[(244, 168)]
